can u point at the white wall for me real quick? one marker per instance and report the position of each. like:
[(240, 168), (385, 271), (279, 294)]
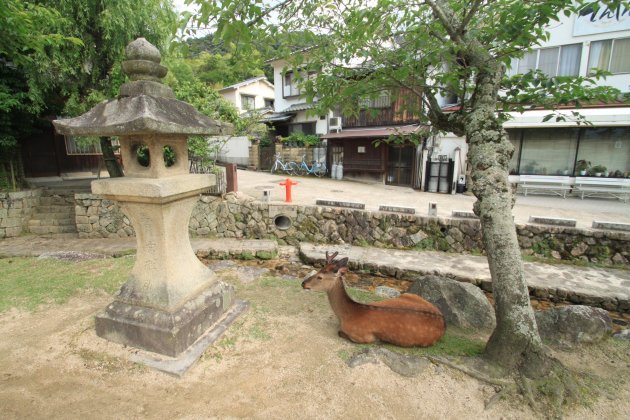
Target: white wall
[(236, 150), (562, 33)]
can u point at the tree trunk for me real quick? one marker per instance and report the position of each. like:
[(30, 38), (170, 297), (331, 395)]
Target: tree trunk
[(515, 343), (111, 163)]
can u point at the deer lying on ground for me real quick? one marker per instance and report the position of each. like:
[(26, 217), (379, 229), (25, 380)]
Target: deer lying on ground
[(405, 321)]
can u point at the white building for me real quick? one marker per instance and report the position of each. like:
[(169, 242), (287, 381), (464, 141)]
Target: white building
[(251, 94), (575, 46)]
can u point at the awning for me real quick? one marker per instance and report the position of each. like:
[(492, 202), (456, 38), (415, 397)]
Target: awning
[(375, 132), (300, 107), (276, 117)]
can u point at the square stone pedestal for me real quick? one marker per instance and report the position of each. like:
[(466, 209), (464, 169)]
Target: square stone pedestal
[(164, 332)]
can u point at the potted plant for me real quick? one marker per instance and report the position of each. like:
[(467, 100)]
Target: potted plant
[(598, 170), (582, 166)]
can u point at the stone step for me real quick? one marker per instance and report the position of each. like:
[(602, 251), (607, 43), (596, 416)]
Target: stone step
[(52, 216), (51, 222), (67, 209), (42, 230), (65, 192), (56, 200)]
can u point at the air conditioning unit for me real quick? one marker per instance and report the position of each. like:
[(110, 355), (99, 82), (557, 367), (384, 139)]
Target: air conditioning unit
[(334, 124)]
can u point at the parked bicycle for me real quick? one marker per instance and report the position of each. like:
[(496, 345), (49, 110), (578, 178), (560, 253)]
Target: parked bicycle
[(290, 168), (318, 169)]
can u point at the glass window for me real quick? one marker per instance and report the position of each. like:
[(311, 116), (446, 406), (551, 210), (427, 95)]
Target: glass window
[(609, 147), (610, 55), (515, 138), (248, 102), (548, 151), (528, 62), (548, 60), (570, 57), (555, 61), (620, 61)]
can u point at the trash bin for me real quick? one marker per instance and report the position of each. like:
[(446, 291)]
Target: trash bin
[(461, 185)]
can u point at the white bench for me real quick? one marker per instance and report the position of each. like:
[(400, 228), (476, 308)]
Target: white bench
[(557, 185), (603, 187)]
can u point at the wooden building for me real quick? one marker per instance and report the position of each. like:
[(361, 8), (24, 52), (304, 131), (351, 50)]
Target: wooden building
[(357, 145)]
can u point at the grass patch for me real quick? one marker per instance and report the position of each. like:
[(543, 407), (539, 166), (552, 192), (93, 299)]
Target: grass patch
[(28, 282), (454, 343)]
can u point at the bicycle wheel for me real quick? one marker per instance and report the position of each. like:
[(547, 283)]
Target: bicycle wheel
[(321, 170), (299, 169)]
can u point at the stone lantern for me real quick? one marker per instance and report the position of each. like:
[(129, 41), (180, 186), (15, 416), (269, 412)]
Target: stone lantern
[(170, 298)]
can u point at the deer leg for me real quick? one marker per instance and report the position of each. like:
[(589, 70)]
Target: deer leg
[(357, 338)]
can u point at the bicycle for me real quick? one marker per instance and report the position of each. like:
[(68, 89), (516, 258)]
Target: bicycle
[(288, 167), (318, 169)]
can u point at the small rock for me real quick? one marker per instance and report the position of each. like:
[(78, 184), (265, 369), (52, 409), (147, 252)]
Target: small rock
[(408, 366), (569, 326), (622, 335)]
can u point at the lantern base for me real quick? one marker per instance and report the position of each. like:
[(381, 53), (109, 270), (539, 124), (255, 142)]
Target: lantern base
[(160, 331)]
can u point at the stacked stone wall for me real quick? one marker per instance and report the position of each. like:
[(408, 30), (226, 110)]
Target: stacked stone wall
[(16, 209), (238, 216), (100, 218)]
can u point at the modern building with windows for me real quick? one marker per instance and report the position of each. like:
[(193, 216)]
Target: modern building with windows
[(577, 44)]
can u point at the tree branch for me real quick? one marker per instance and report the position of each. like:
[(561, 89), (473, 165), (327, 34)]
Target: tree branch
[(267, 12), (471, 13), (446, 17)]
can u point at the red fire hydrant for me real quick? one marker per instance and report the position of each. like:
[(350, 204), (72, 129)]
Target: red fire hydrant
[(288, 184)]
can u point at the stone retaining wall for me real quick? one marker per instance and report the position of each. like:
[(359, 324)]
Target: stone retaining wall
[(237, 216), (100, 218), (16, 208)]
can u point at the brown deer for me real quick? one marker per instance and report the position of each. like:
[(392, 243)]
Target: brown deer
[(405, 321)]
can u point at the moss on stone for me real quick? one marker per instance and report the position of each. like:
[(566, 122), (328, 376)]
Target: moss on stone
[(266, 255), (247, 255)]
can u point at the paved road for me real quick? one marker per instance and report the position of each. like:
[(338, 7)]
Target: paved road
[(375, 194)]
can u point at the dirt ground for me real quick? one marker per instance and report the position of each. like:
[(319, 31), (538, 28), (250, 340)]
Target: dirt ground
[(281, 359)]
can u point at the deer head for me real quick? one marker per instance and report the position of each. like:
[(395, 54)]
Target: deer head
[(325, 278)]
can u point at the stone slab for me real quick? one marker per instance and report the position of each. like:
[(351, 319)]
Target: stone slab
[(336, 203), (159, 331), (554, 221), (279, 209), (178, 366), (611, 226), (463, 214), (157, 190), (397, 209)]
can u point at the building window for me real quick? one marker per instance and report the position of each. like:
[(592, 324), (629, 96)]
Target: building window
[(268, 103), (86, 145), (303, 128), (515, 136), (609, 147), (555, 151), (293, 87), (248, 102), (611, 55), (383, 100), (554, 61), (548, 151)]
